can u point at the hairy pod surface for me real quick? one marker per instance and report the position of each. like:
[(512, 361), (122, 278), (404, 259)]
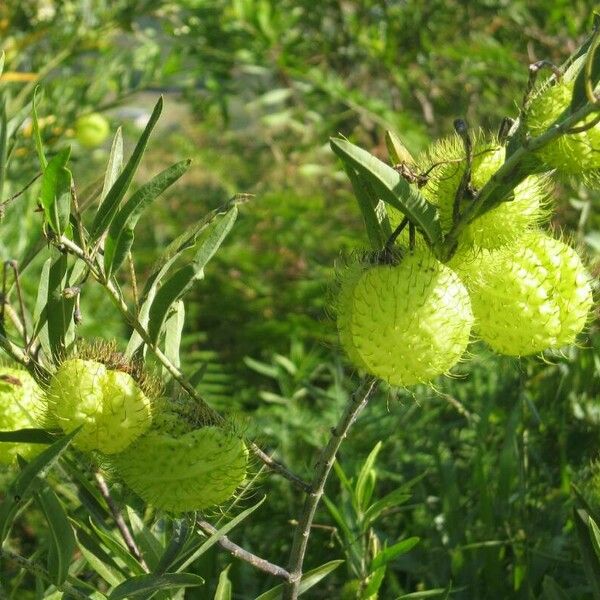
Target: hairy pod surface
[(526, 209), (407, 323), (178, 470), (571, 154), (20, 405), (527, 297), (108, 403)]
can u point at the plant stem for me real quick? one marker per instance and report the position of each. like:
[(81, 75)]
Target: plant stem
[(323, 467), (120, 521), (237, 551)]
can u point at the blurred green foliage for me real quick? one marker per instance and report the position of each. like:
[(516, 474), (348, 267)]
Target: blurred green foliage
[(492, 453)]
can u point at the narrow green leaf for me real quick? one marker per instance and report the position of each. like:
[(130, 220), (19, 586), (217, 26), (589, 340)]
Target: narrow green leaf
[(173, 330), (114, 165), (198, 548), (183, 279), (594, 537), (224, 588), (28, 436), (39, 147), (393, 189), (377, 232), (2, 58), (116, 548), (110, 575), (23, 486), (59, 310), (388, 554), (374, 581), (395, 498), (145, 586), (309, 580), (181, 535), (364, 490), (100, 560), (55, 191), (579, 97), (121, 231), (180, 246), (62, 539), (150, 546), (110, 204), (591, 565), (423, 595), (397, 151)]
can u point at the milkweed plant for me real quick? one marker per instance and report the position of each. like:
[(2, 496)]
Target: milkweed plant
[(459, 250)]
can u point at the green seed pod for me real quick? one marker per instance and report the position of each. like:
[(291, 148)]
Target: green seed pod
[(91, 130), (407, 323), (179, 471), (110, 405), (527, 297), (345, 309), (509, 220), (20, 404), (570, 154)]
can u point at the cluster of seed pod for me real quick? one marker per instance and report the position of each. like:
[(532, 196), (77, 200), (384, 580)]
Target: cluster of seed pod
[(509, 283), (172, 461)]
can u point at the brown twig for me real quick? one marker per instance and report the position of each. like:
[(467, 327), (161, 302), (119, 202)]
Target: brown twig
[(355, 405), (238, 552), (120, 521)]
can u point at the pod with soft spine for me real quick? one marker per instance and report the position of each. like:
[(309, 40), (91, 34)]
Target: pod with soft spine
[(178, 468), (109, 404), (20, 407), (405, 323), (527, 297)]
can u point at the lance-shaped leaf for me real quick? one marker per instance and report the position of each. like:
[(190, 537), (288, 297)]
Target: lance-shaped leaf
[(376, 221), (55, 192), (183, 279), (589, 74), (146, 586), (114, 165), (28, 436), (39, 147), (309, 580), (59, 309), (585, 535), (178, 248), (61, 539), (24, 485), (392, 189), (121, 231), (110, 204), (397, 151)]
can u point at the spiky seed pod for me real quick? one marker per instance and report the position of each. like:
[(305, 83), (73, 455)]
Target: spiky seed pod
[(407, 323), (20, 405), (570, 154), (344, 309), (177, 469), (110, 405), (527, 209), (529, 296)]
